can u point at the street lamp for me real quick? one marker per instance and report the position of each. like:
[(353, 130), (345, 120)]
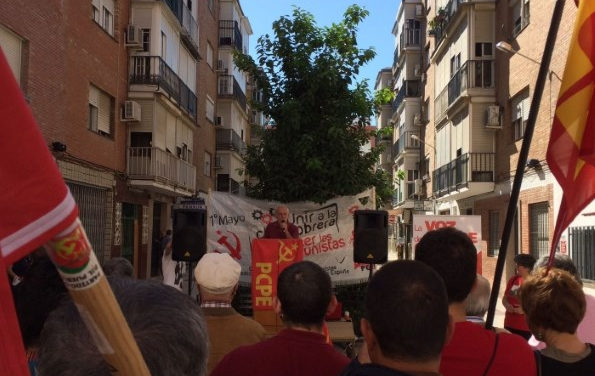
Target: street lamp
[(416, 138), (506, 47)]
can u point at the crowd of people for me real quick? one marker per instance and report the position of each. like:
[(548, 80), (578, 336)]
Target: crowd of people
[(422, 317)]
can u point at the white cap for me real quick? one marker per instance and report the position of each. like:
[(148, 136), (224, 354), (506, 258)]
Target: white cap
[(217, 273)]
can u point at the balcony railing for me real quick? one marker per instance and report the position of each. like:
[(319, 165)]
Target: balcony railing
[(409, 88), (228, 139), (189, 25), (227, 184), (469, 167), (229, 87), (405, 142), (443, 19), (229, 34), (473, 74), (147, 163), (153, 70)]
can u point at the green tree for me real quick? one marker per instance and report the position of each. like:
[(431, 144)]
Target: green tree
[(307, 75)]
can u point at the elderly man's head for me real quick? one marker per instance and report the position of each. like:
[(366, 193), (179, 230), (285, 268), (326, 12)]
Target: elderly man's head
[(282, 213), (217, 276)]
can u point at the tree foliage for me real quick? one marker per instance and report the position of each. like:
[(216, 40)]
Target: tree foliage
[(307, 75)]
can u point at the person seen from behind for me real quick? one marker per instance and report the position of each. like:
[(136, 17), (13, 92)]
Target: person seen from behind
[(473, 350), (554, 304), (406, 323)]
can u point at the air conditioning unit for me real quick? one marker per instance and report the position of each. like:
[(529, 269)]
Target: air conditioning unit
[(221, 67), (419, 10), (417, 70), (418, 186), (134, 37), (132, 111), (493, 117), (218, 120)]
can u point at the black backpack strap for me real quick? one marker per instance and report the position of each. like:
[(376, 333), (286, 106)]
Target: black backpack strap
[(493, 356), (537, 355)]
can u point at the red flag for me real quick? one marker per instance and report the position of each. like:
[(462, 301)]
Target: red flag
[(35, 204), (570, 152)]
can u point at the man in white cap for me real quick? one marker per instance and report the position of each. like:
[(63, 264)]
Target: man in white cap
[(217, 276)]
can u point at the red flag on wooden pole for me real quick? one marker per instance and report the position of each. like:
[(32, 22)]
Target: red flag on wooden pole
[(570, 154)]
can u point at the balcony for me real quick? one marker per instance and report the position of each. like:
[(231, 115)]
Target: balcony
[(396, 58), (155, 169), (189, 25), (227, 184), (410, 34), (444, 17), (229, 87), (153, 70), (465, 176), (228, 139), (474, 74), (405, 143), (409, 88), (229, 34)]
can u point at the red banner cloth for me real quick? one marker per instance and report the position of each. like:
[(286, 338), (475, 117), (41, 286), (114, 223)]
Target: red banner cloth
[(269, 258), (570, 153), (35, 205)]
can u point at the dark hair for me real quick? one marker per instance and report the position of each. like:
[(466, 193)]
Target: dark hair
[(525, 259), (166, 324), (407, 307), (118, 266), (452, 254), (36, 296), (553, 300), (304, 290)]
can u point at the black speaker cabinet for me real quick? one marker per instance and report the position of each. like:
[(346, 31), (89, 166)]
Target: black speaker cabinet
[(189, 238), (370, 245)]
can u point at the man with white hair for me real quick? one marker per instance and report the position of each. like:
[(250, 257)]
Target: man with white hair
[(281, 228), (217, 276)]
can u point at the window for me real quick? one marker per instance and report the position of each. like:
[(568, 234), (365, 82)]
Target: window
[(12, 46), (494, 239), (211, 5), (483, 50), (538, 229), (412, 175), (209, 55), (102, 12), (163, 45), (455, 64), (520, 16), (210, 109), (100, 111), (520, 114), (483, 69), (146, 35), (207, 166)]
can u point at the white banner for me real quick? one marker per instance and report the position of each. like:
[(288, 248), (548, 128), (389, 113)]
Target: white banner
[(469, 224), (326, 230)]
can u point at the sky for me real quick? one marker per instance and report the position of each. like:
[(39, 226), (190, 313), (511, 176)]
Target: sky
[(374, 31)]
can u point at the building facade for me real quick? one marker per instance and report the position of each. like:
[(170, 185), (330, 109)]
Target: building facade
[(126, 93), (473, 107)]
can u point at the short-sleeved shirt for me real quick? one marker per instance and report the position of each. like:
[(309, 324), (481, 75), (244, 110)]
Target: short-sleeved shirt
[(514, 320), (471, 347)]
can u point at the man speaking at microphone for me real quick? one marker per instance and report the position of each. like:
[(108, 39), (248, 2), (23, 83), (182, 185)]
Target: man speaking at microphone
[(281, 228)]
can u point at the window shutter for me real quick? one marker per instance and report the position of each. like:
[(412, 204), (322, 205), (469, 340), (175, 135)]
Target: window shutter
[(11, 46), (105, 105)]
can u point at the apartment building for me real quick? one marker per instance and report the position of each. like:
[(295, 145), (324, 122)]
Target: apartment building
[(233, 120), (55, 49), (124, 92), (479, 65), (406, 118), (384, 80), (204, 140)]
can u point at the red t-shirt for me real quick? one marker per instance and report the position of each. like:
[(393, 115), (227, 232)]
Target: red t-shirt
[(470, 349), (514, 320)]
